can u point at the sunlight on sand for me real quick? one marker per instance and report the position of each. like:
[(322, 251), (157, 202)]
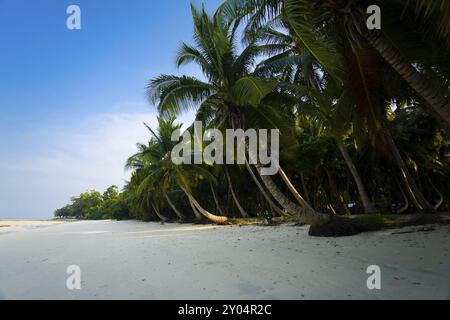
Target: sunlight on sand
[(182, 229), (7, 226), (87, 232), (148, 237)]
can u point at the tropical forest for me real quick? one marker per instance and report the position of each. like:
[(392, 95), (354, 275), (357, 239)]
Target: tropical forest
[(363, 116)]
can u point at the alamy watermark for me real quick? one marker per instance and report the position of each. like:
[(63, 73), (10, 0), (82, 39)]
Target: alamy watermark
[(73, 282), (374, 280), (73, 22), (374, 20), (232, 149)]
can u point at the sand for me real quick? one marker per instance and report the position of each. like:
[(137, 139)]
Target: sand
[(7, 226), (135, 260)]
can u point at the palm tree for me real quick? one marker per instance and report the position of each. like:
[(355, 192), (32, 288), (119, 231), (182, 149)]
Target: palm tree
[(161, 174), (242, 211), (143, 163), (295, 64), (231, 92), (319, 26), (339, 48), (180, 216), (335, 112)]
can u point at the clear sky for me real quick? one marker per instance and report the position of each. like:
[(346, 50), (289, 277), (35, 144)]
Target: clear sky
[(72, 102)]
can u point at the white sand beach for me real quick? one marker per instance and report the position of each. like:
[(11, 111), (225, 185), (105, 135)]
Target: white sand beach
[(7, 226), (135, 260)]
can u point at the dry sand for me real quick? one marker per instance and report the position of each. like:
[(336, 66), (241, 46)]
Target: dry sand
[(7, 226), (134, 260)]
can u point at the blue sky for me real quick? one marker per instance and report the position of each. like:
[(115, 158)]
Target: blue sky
[(72, 102)]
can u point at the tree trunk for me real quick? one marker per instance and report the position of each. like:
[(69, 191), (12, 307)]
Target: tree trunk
[(411, 187), (405, 199), (198, 215), (305, 189), (243, 213), (438, 105), (205, 213), (178, 213), (441, 197), (367, 203), (305, 215), (216, 200), (331, 208), (321, 224), (160, 216), (263, 191), (293, 190), (334, 193)]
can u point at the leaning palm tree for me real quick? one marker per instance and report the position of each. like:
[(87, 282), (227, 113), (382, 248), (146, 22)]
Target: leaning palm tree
[(334, 109), (160, 174), (242, 211), (143, 164)]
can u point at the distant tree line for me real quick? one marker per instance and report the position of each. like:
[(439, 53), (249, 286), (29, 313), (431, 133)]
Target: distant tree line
[(93, 205)]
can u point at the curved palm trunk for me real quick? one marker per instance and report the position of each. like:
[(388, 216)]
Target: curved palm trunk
[(204, 212), (263, 191), (411, 187), (441, 197), (335, 195), (243, 213), (160, 216), (409, 190), (331, 208), (305, 215), (177, 212), (367, 203), (405, 199), (216, 200), (293, 190), (439, 106), (305, 189), (208, 215), (198, 215)]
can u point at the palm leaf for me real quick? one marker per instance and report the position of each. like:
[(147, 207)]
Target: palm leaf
[(251, 90), (300, 16)]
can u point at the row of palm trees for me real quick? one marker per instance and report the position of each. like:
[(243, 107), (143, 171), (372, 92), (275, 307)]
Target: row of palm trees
[(363, 114)]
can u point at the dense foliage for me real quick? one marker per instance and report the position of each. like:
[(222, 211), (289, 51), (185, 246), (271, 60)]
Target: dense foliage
[(364, 115), (93, 205)]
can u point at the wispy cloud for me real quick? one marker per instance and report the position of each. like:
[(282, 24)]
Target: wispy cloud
[(92, 156)]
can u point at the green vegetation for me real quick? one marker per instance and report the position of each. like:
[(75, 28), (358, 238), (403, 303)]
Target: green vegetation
[(93, 205), (364, 117)]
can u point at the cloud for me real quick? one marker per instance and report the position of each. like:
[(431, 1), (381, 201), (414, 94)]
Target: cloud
[(90, 157)]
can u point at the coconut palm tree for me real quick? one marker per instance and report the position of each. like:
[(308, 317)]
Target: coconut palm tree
[(242, 211), (335, 111), (345, 55), (160, 174), (231, 93), (320, 27), (294, 64)]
